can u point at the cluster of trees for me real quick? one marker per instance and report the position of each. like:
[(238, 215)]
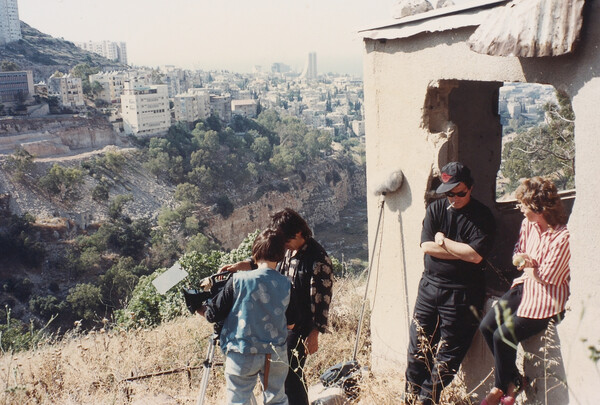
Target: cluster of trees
[(547, 149), (113, 266), (209, 156)]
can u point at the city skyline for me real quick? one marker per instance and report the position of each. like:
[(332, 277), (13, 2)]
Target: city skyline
[(230, 35)]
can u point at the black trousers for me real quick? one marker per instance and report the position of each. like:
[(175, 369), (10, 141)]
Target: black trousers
[(503, 330), (295, 383), (444, 323)]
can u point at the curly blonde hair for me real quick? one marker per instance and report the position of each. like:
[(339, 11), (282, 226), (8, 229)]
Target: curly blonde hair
[(541, 196)]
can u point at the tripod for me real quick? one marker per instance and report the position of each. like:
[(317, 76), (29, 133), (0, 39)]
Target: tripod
[(208, 365)]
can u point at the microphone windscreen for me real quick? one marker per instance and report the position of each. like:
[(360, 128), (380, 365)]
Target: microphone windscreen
[(390, 183)]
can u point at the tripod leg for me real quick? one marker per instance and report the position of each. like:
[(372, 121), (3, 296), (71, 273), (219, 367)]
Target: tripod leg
[(208, 363)]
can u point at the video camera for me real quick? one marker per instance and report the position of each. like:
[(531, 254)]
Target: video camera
[(210, 286)]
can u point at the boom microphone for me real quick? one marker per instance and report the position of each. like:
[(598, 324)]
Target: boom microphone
[(392, 182)]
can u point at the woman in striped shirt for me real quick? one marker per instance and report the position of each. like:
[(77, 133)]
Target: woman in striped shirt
[(536, 297)]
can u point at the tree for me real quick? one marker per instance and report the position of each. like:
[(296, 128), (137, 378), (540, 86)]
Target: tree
[(19, 163), (96, 88), (85, 300), (262, 148), (9, 66), (83, 71), (545, 150)]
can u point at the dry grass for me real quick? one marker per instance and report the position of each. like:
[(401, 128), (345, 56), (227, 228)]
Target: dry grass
[(91, 368)]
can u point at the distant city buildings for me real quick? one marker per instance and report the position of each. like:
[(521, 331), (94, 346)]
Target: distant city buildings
[(67, 89), (110, 50), (145, 110), (278, 67), (10, 25), (16, 86)]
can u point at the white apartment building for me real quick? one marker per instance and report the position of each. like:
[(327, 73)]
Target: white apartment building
[(112, 85), (145, 110), (67, 89), (246, 108), (192, 106), (10, 25), (221, 106), (109, 49)]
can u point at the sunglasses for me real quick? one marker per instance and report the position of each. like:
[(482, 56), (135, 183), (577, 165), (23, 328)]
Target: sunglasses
[(459, 194)]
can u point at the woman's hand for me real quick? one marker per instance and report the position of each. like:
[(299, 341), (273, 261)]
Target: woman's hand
[(523, 260)]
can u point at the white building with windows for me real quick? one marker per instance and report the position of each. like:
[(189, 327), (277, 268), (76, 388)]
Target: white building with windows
[(221, 107), (145, 110), (67, 89), (192, 106), (10, 25), (109, 49), (112, 85), (247, 108)]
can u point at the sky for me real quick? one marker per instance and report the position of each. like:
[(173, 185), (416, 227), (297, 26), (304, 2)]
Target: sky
[(233, 35)]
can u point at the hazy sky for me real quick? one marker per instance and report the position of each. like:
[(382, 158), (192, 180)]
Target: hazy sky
[(218, 34)]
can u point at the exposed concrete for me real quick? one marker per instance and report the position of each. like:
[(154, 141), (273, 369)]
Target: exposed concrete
[(405, 77), (52, 136)]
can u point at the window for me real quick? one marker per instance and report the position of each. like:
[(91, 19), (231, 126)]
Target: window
[(537, 137)]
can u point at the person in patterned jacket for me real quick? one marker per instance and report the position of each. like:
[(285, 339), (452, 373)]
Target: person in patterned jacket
[(310, 270), (536, 297)]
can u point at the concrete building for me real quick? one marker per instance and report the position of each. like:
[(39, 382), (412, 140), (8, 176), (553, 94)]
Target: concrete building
[(221, 107), (16, 86), (279, 67), (246, 108), (112, 85), (67, 89), (10, 25), (431, 96), (310, 70), (192, 106), (109, 49), (145, 110)]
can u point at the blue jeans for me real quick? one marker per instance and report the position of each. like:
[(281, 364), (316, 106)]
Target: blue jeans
[(241, 371)]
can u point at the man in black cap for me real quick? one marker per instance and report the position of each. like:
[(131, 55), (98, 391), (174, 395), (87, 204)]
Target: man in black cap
[(456, 237)]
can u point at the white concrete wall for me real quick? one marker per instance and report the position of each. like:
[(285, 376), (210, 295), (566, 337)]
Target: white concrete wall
[(397, 74)]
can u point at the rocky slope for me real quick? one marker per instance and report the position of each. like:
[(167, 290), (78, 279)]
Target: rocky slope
[(320, 193), (44, 54)]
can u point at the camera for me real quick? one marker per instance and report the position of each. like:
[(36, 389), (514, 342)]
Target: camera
[(210, 286)]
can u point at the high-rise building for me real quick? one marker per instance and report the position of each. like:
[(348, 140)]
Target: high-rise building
[(10, 25), (310, 70), (108, 49), (279, 67)]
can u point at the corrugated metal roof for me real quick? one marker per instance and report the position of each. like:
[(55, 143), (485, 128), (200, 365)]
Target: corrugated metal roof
[(462, 15), (523, 28), (530, 28)]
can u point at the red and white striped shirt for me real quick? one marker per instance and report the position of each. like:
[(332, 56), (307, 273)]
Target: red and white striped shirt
[(551, 251)]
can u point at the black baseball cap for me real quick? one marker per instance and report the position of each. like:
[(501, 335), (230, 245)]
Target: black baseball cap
[(453, 174)]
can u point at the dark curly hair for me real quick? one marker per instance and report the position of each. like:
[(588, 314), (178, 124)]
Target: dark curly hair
[(290, 223), (541, 196)]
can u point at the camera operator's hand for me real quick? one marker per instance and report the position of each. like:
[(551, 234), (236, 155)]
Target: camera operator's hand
[(243, 265), (312, 342)]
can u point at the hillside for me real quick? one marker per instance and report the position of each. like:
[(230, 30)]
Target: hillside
[(44, 54)]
